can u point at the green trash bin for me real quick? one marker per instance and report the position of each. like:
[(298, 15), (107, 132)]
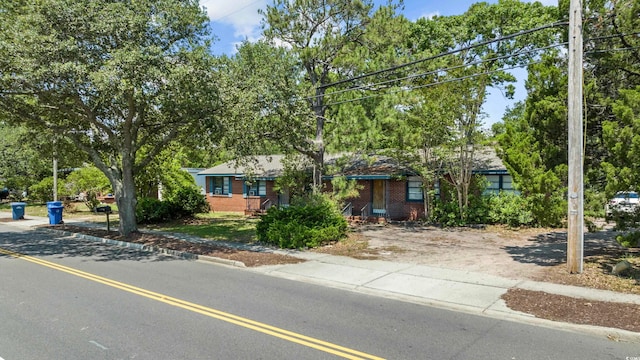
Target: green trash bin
[(17, 210)]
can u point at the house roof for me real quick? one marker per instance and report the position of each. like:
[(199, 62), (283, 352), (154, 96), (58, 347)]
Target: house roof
[(486, 161), (260, 166), (369, 167), (353, 166)]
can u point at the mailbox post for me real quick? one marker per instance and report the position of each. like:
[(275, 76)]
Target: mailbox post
[(106, 210)]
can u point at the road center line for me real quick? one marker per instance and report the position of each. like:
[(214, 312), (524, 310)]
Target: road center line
[(210, 312)]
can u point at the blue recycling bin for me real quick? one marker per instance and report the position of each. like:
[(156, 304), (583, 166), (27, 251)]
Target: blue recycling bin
[(17, 210), (54, 209)]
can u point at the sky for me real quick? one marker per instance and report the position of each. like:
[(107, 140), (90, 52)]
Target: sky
[(233, 21)]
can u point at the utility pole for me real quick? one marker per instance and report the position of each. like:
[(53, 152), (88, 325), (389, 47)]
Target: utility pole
[(575, 231), (55, 172)]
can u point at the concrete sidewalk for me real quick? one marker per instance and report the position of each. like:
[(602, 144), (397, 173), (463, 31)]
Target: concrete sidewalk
[(457, 290)]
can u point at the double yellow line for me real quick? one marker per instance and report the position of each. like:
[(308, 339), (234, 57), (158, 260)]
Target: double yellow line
[(220, 315)]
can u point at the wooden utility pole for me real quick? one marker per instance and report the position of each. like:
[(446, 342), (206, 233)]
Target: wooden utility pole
[(575, 238), (55, 171)]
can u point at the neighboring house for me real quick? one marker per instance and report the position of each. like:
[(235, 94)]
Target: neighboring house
[(387, 189), (244, 188), (194, 172)]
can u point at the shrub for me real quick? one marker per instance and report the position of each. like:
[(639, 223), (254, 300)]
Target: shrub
[(628, 240), (309, 223), (150, 210), (187, 202), (548, 210), (43, 191), (509, 209)]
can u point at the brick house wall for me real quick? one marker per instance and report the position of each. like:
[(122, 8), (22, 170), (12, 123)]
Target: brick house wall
[(238, 202), (397, 206)]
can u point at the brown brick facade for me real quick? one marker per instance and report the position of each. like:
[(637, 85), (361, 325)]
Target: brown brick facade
[(397, 206), (238, 202)]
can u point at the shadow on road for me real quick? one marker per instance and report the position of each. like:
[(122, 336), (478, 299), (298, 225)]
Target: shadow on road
[(34, 243)]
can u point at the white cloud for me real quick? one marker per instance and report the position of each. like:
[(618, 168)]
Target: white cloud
[(546, 2), (431, 15), (242, 15)]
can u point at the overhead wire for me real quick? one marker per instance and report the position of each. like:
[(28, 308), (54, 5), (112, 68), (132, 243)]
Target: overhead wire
[(404, 89), (443, 54), (412, 76)]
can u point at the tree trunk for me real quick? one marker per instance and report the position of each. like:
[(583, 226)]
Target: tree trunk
[(125, 193)]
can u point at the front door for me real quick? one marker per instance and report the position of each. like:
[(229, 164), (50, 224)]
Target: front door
[(379, 197)]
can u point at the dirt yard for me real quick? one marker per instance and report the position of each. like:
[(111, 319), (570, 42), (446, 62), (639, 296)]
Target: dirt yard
[(523, 254)]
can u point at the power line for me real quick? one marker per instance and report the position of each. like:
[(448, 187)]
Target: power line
[(434, 71), (412, 76), (431, 84), (457, 78), (482, 43)]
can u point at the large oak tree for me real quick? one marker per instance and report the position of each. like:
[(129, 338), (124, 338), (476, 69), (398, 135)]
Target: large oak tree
[(120, 79)]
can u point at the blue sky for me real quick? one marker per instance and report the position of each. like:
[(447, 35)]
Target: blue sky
[(233, 21)]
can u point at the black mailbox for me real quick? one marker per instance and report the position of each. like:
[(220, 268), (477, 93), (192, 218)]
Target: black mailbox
[(104, 209)]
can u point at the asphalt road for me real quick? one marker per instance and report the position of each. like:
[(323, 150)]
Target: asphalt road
[(71, 299)]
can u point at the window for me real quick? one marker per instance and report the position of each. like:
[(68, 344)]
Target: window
[(256, 188), (414, 190), (493, 186), (507, 184), (497, 183), (220, 185)]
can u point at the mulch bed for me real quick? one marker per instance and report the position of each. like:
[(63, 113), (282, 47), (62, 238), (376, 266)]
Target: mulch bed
[(573, 310), (249, 258)]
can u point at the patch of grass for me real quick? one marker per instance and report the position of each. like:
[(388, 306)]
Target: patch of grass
[(355, 246), (215, 226)]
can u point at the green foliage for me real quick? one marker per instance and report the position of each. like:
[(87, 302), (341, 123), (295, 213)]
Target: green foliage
[(344, 189), (127, 79), (448, 212), (594, 203), (509, 209), (622, 138), (311, 222), (26, 156), (183, 203), (151, 210), (43, 191), (548, 210), (87, 179), (188, 201), (91, 200), (631, 239)]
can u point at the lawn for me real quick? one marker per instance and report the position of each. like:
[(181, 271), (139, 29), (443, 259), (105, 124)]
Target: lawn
[(219, 226)]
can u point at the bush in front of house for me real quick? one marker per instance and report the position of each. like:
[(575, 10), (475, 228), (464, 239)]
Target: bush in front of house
[(187, 202), (509, 209), (183, 203), (309, 223), (151, 211)]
